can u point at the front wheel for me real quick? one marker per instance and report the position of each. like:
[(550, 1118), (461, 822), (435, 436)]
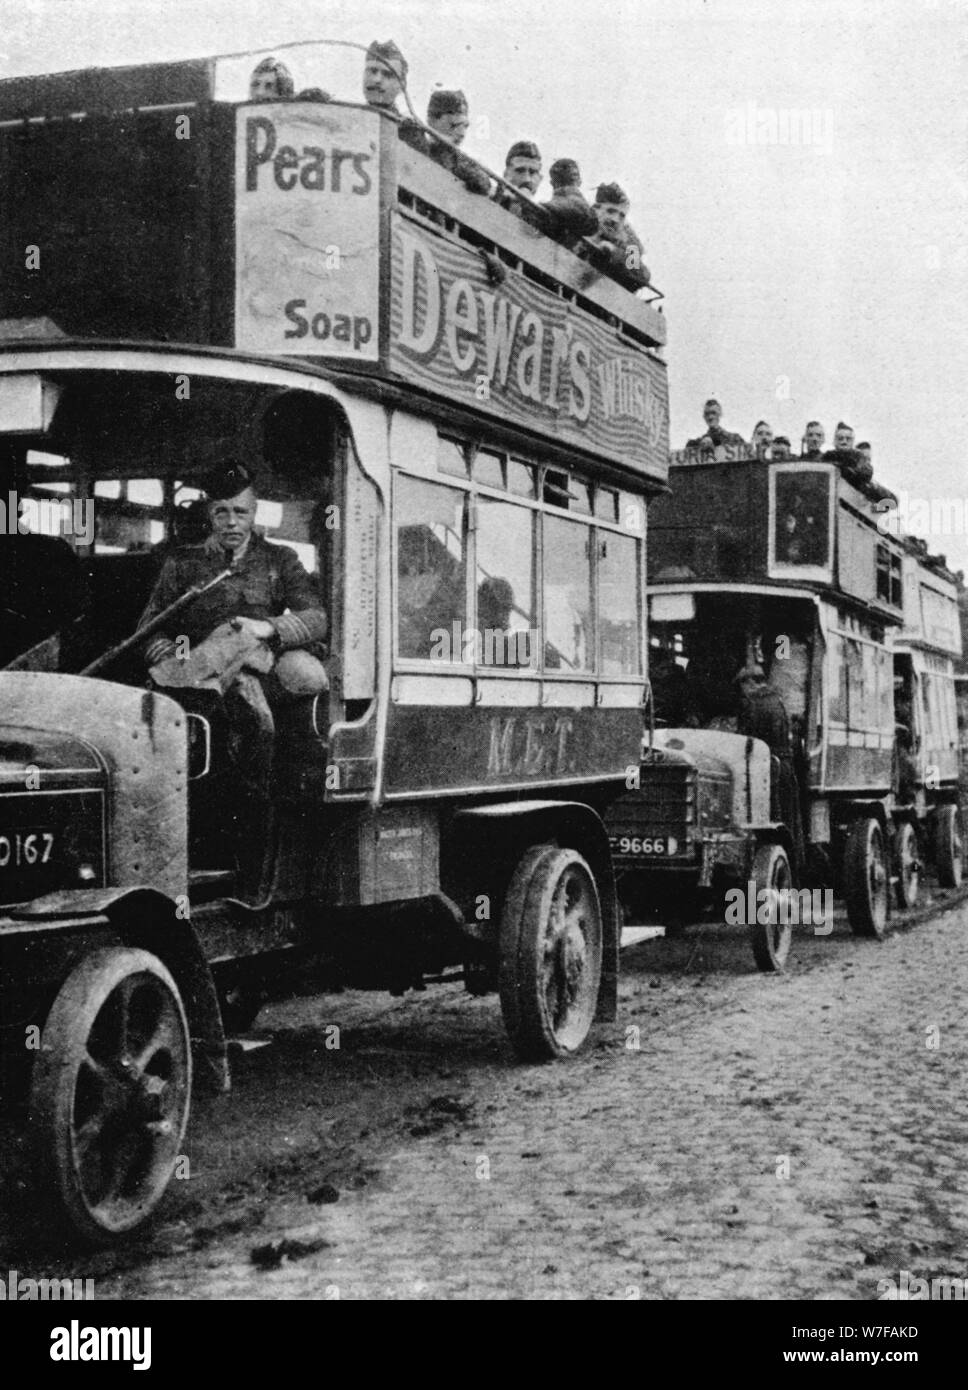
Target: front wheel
[(773, 877), (866, 879), (110, 1091), (948, 848), (550, 953)]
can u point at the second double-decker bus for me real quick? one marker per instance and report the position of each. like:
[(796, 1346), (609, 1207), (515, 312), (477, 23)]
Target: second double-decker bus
[(788, 570), (456, 424)]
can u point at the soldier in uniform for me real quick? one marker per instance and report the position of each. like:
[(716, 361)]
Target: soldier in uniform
[(568, 216), (780, 450), (384, 78), (851, 462), (813, 441), (715, 436), (763, 715), (616, 249), (447, 114), (256, 639), (271, 81), (522, 166), (762, 438)]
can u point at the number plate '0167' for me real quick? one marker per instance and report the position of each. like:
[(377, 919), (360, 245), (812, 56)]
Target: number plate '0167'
[(21, 849), (635, 844)]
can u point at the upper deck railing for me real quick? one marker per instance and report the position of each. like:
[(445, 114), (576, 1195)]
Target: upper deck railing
[(138, 207)]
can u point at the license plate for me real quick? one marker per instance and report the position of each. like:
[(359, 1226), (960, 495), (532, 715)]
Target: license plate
[(648, 845), (26, 849)]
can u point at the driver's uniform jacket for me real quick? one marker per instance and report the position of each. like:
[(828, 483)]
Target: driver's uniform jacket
[(268, 582)]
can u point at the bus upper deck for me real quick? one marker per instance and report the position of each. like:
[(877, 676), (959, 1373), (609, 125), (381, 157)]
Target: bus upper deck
[(148, 209)]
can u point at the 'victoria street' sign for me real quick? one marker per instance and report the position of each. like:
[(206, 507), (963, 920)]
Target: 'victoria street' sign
[(521, 353), (307, 219)]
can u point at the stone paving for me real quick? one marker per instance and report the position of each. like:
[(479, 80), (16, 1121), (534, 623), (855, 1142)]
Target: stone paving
[(732, 1136)]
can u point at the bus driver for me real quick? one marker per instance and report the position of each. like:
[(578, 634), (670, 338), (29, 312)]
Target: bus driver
[(252, 637)]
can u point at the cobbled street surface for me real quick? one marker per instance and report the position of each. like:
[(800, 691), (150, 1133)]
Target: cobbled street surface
[(733, 1135)]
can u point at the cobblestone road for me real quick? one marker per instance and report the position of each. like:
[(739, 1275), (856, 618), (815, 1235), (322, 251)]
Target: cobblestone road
[(733, 1135)]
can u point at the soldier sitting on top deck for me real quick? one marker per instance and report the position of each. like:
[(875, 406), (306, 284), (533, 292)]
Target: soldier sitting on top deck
[(715, 436), (384, 78), (447, 115), (813, 441), (568, 216), (762, 438), (780, 449), (851, 462), (271, 81), (522, 169), (616, 249)]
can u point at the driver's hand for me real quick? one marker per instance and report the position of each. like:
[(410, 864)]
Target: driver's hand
[(258, 627)]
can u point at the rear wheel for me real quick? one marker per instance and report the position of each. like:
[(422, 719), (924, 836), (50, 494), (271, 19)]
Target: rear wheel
[(110, 1091), (550, 950), (866, 879), (771, 939), (948, 847), (907, 865)]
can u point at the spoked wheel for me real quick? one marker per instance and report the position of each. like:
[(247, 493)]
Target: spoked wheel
[(907, 865), (110, 1092), (948, 847), (550, 950), (866, 883), (771, 939)]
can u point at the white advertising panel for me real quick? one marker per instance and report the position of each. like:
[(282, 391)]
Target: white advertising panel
[(307, 230)]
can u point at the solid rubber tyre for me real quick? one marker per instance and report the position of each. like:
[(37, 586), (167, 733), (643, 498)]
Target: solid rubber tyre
[(866, 879), (771, 940), (110, 1092), (948, 847), (907, 866), (550, 953)]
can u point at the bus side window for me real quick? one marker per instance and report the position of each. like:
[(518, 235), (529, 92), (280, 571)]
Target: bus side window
[(431, 569), (618, 605), (569, 630)]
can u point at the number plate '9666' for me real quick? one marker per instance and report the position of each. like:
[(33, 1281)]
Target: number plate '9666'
[(22, 849), (647, 844)]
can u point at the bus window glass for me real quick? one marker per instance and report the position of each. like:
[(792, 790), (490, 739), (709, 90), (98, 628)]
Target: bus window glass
[(520, 478), (431, 588), (839, 658), (488, 469), (606, 504), (129, 515), (505, 589), (569, 634), (451, 458), (802, 518), (581, 497), (618, 607)]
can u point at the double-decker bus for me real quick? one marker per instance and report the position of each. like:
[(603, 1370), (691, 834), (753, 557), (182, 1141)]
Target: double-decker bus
[(457, 425), (789, 568)]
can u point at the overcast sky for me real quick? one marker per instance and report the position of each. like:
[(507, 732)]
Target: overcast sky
[(825, 279)]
